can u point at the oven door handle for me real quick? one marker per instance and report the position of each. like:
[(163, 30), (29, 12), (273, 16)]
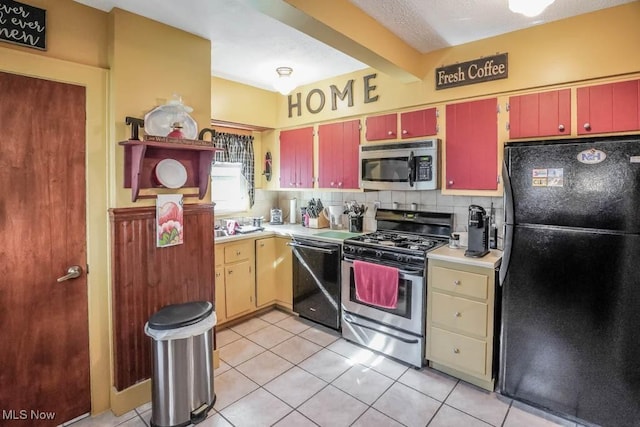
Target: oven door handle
[(349, 319), (400, 270), (313, 248)]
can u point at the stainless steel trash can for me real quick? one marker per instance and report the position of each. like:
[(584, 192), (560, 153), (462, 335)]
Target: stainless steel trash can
[(182, 363)]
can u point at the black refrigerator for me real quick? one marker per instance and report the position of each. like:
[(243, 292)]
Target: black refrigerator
[(570, 333)]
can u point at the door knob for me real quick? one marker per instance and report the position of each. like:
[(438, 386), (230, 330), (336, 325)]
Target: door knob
[(72, 272)]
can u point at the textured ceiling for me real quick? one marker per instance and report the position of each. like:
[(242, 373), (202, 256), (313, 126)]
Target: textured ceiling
[(247, 46)]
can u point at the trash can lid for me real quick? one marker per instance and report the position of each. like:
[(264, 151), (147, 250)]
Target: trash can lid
[(180, 315)]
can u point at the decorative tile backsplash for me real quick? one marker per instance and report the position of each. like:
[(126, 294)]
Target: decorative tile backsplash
[(425, 200)]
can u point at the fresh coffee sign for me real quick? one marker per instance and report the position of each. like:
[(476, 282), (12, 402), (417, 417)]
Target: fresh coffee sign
[(470, 72), (23, 24)]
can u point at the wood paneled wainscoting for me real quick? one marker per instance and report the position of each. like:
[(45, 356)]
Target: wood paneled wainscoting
[(146, 278)]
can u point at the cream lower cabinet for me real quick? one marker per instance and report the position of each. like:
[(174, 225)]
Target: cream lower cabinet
[(274, 283), (234, 279), (220, 304), (239, 278), (460, 321)]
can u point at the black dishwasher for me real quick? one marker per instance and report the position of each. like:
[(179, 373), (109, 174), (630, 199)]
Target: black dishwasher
[(316, 281)]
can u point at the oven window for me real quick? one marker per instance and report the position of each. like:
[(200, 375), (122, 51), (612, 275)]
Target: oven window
[(386, 169), (403, 308)]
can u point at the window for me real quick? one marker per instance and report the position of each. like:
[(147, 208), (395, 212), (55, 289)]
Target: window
[(229, 188)]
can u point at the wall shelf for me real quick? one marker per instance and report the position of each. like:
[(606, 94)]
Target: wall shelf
[(141, 158)]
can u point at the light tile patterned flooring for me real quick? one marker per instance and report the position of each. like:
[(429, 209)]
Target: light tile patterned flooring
[(279, 370)]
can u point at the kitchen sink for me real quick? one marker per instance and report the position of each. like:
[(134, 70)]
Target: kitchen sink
[(220, 233)]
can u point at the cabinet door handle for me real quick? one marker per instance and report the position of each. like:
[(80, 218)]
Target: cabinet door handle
[(561, 128), (230, 272), (587, 126), (238, 253), (457, 314), (404, 131), (217, 274), (390, 133), (262, 245), (456, 282), (456, 350)]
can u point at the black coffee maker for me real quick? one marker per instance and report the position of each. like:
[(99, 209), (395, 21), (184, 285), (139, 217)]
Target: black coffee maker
[(478, 244)]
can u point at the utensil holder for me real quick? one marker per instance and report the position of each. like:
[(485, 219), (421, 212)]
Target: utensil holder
[(355, 224)]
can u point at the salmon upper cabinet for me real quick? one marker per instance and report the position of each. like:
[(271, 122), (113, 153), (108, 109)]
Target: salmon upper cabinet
[(338, 154), (296, 158), (472, 145), (540, 114), (382, 127), (419, 123), (611, 107)]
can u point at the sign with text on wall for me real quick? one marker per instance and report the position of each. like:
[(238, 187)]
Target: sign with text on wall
[(23, 24), (476, 71)]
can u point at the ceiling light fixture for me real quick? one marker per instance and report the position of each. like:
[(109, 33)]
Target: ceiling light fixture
[(285, 83), (529, 8)]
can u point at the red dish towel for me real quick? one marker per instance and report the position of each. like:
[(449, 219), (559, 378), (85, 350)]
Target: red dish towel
[(376, 284)]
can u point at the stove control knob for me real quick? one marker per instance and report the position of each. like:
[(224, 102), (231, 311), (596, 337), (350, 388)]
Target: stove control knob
[(401, 258), (360, 251), (378, 254)]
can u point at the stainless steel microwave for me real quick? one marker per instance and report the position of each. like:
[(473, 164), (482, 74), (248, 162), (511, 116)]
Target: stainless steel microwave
[(400, 166)]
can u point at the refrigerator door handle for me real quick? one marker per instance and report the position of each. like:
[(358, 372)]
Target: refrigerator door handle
[(508, 222)]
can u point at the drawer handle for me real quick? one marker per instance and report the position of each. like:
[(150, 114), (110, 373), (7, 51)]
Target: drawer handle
[(238, 253), (456, 282), (457, 314), (230, 272), (456, 350)]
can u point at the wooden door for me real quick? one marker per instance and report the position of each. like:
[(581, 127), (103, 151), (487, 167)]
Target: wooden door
[(350, 154), (611, 107), (265, 271), (304, 158), (44, 362), (296, 158), (540, 114), (239, 288), (287, 159), (382, 127), (329, 156), (472, 145), (419, 123)]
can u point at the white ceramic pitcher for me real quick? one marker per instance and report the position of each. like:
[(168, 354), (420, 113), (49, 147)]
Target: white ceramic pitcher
[(334, 215)]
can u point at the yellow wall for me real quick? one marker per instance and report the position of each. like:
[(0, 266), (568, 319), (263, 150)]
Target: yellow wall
[(95, 81), (149, 63), (75, 33), (590, 46), (238, 103)]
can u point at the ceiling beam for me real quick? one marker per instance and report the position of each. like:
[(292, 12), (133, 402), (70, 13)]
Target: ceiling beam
[(345, 27)]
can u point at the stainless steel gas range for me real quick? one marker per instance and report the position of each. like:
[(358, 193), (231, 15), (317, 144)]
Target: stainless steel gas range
[(401, 242)]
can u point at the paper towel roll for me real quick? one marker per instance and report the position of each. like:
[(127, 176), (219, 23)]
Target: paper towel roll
[(292, 211)]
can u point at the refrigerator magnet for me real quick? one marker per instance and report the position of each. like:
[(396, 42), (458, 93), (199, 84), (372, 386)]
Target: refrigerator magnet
[(555, 177), (539, 177)]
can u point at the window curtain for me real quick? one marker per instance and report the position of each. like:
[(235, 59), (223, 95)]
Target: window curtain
[(238, 149)]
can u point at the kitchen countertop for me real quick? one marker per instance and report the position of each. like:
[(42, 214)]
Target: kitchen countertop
[(445, 253), (291, 230)]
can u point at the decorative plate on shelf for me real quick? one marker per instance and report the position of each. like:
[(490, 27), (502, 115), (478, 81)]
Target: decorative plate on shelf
[(171, 173)]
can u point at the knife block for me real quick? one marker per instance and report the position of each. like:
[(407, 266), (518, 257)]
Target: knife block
[(320, 222)]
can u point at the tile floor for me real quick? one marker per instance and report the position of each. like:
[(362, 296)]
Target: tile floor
[(279, 370)]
